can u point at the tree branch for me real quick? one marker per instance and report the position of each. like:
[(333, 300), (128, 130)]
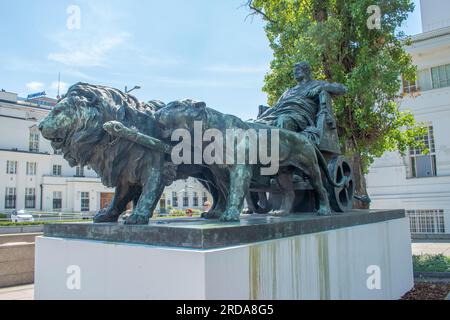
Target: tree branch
[(258, 11)]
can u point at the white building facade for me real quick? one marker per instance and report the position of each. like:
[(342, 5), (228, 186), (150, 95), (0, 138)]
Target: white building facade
[(419, 181), (34, 178)]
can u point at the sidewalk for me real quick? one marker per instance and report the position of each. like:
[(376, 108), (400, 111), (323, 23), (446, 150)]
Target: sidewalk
[(427, 247), (17, 293)]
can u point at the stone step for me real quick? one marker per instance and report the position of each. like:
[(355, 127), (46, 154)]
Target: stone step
[(18, 237), (16, 263)]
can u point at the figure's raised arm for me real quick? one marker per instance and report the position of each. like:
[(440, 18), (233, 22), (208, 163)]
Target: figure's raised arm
[(335, 88)]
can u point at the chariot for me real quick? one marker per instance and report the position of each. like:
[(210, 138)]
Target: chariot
[(266, 193)]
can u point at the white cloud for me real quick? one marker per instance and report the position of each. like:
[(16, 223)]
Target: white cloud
[(202, 83), (222, 68), (76, 74), (86, 53), (146, 60), (35, 86)]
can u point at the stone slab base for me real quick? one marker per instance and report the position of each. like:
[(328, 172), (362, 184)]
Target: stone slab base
[(364, 261), (16, 263)]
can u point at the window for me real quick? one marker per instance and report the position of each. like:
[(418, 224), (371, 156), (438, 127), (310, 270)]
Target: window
[(205, 198), (34, 139), (84, 201), (57, 200), (185, 200), (195, 199), (162, 203), (79, 171), (56, 170), (30, 198), (424, 165), (424, 80), (31, 168), (440, 76), (174, 199), (426, 221), (11, 167), (409, 87), (10, 198)]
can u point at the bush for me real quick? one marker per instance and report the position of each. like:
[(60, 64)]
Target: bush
[(431, 263), (177, 213), (36, 223), (3, 216)]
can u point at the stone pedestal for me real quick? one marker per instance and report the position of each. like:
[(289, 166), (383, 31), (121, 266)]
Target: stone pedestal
[(357, 255)]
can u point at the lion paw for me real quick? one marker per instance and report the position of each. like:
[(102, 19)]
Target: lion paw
[(230, 215), (324, 211), (105, 216), (137, 219), (210, 215)]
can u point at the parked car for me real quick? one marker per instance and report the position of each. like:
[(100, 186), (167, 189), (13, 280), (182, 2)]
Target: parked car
[(21, 216)]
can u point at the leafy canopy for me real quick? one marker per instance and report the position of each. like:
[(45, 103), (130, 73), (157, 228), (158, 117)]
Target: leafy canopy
[(333, 36)]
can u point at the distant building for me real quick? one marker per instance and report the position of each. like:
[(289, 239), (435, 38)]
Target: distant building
[(420, 182), (33, 177), (182, 195), (435, 14)]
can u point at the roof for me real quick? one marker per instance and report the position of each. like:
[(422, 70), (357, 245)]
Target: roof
[(431, 34)]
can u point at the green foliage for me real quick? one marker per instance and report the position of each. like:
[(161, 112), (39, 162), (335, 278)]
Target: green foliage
[(431, 263), (177, 213), (332, 35), (3, 216)]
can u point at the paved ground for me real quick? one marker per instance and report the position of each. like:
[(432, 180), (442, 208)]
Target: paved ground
[(436, 247), (17, 293)]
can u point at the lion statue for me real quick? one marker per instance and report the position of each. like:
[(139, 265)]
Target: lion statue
[(75, 127), (296, 151)]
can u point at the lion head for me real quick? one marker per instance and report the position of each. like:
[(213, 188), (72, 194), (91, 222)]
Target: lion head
[(75, 125), (180, 114)]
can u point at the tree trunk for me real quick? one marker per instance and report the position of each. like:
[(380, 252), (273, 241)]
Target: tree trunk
[(358, 174)]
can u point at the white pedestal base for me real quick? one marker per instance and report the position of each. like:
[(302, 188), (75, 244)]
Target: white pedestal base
[(347, 263)]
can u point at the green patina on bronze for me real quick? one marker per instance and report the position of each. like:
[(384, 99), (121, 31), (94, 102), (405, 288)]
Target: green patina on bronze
[(76, 127), (324, 265), (255, 271), (126, 143), (295, 151)]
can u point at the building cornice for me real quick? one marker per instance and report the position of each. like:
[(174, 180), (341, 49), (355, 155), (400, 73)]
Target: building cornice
[(25, 151), (26, 105), (430, 35), (18, 118)]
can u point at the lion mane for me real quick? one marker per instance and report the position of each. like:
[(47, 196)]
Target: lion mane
[(75, 127), (87, 143)]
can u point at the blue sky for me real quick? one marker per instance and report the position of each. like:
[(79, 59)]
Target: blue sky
[(200, 49)]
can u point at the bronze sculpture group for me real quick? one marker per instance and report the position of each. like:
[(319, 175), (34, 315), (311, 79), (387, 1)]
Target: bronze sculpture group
[(128, 143)]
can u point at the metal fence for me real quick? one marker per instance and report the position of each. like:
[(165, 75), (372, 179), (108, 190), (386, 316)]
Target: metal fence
[(426, 221)]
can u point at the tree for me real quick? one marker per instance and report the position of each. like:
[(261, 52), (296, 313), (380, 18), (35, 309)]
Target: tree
[(342, 42)]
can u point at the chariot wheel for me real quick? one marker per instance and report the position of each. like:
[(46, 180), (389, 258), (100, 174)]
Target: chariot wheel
[(341, 198), (258, 202)]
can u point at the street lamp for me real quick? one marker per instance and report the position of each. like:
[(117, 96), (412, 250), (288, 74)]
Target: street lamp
[(135, 88)]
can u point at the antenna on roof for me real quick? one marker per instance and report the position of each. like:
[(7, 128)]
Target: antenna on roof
[(59, 83)]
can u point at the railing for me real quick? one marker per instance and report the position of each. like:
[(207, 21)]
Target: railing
[(426, 221)]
